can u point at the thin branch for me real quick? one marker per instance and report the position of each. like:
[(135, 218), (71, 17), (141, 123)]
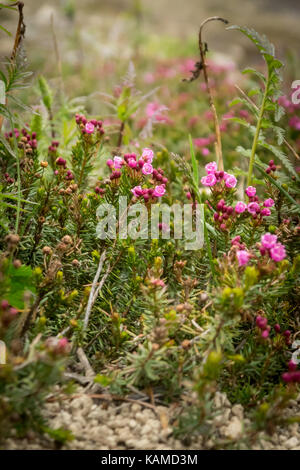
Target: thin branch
[(20, 31), (202, 49), (92, 291), (89, 372)]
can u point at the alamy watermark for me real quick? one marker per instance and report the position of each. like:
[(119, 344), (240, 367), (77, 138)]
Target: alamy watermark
[(296, 353), (296, 93), (2, 353), (139, 221)]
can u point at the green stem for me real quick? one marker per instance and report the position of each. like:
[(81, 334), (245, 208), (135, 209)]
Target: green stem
[(208, 246), (19, 193), (18, 176), (256, 137)]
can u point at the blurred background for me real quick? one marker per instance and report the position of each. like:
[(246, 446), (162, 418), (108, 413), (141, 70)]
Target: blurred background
[(88, 40)]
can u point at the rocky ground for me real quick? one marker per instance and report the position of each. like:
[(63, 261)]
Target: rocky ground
[(100, 425)]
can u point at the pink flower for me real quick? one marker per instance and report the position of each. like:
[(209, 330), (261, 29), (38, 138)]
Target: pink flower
[(253, 207), (157, 282), (110, 163), (118, 162), (209, 180), (277, 327), (294, 122), (211, 168), (230, 181), (284, 101), (202, 141), (265, 334), (159, 191), (269, 202), (240, 207), (236, 240), (243, 257), (268, 240), (292, 365), (244, 114), (226, 175), (147, 169), (62, 343), (278, 253), (265, 211), (163, 227), (261, 322), (132, 163), (205, 151), (250, 191), (155, 112), (13, 311), (60, 161), (89, 128), (147, 155), (137, 191)]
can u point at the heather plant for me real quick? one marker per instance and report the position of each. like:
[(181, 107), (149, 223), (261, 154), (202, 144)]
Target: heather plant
[(149, 316)]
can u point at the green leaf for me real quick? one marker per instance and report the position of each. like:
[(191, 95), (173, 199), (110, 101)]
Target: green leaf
[(194, 162), (5, 30), (103, 380), (256, 73), (21, 280), (281, 156), (278, 186), (45, 92), (60, 435), (7, 146)]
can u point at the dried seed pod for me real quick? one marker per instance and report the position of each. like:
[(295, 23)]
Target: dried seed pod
[(67, 240), (47, 250), (17, 263)]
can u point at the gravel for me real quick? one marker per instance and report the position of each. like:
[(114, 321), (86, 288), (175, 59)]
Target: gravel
[(99, 425)]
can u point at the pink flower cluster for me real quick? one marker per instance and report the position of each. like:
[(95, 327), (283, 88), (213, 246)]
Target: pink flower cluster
[(89, 127), (287, 104), (138, 167), (214, 176), (58, 345), (242, 254), (294, 123), (30, 141), (149, 193), (155, 111), (203, 143), (61, 162), (271, 168), (255, 208), (7, 309), (262, 324), (223, 215), (53, 147), (293, 375), (269, 246), (8, 178), (243, 257), (63, 171), (157, 282), (286, 334)]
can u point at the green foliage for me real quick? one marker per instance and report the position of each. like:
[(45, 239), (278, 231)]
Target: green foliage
[(46, 93), (149, 315), (269, 111)]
